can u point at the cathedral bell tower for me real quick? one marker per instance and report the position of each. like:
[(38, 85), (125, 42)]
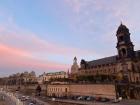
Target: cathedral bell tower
[(124, 45), (74, 67)]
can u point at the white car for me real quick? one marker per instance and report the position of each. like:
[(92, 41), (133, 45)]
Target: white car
[(79, 98), (31, 104), (23, 98), (27, 97), (120, 99), (115, 100), (53, 99)]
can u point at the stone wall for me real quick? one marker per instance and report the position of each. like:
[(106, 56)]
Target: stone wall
[(97, 90), (93, 90), (103, 90), (58, 90)]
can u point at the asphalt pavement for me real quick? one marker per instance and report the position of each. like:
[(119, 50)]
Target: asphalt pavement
[(39, 101)]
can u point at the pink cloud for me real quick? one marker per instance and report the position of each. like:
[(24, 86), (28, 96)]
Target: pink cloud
[(13, 57), (22, 49), (28, 41), (12, 51)]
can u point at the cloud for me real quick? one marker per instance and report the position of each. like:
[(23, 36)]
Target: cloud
[(12, 51), (99, 19), (23, 50), (97, 13), (17, 58), (31, 42), (92, 23)]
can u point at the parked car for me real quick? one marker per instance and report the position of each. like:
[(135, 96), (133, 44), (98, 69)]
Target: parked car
[(79, 98), (27, 97), (75, 97), (90, 98), (53, 99), (84, 97), (104, 100), (115, 101), (98, 98), (33, 101), (31, 104), (23, 98), (120, 98)]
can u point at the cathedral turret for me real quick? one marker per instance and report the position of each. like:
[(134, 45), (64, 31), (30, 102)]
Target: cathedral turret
[(124, 45), (74, 67), (75, 60)]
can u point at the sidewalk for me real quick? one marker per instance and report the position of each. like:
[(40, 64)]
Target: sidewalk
[(40, 101)]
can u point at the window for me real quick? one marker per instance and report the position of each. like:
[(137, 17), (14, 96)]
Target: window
[(137, 79), (114, 70), (121, 38), (138, 68), (123, 51), (109, 70), (66, 90), (105, 71)]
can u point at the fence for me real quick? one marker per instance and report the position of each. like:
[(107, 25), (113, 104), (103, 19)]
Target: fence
[(12, 97)]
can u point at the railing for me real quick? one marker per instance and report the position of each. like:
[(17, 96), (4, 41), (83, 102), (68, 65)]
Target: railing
[(12, 97)]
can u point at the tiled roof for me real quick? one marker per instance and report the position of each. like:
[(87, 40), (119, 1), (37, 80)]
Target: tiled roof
[(107, 60), (137, 53)]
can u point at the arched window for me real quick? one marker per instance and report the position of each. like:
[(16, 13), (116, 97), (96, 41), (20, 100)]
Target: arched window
[(121, 38), (105, 71), (123, 51), (66, 90), (114, 70), (137, 79)]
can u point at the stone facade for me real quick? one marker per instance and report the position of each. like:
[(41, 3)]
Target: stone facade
[(74, 69), (22, 78), (97, 90), (122, 69), (46, 77), (58, 90)]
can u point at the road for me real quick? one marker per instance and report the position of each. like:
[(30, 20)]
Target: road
[(41, 101), (31, 99), (7, 100), (78, 102)]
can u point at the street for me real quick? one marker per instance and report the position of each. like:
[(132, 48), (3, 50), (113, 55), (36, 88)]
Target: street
[(7, 99)]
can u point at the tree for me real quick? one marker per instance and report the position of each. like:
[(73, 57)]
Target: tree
[(38, 90)]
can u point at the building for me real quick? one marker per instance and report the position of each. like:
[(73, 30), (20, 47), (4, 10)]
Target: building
[(46, 77), (58, 90), (22, 78), (74, 68), (42, 78), (70, 90), (123, 68)]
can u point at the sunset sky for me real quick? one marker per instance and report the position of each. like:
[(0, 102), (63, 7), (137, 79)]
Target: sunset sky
[(45, 35)]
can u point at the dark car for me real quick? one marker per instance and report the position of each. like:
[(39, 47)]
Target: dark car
[(98, 98), (84, 97)]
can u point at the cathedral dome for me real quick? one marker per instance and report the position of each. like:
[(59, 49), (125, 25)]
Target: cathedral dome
[(122, 29)]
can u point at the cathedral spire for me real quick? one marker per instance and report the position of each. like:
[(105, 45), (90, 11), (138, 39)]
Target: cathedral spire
[(121, 23), (124, 45), (75, 60)]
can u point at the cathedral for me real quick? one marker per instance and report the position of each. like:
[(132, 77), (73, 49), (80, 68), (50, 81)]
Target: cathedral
[(123, 68)]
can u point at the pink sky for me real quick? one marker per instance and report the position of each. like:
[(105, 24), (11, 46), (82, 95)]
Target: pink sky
[(46, 35)]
